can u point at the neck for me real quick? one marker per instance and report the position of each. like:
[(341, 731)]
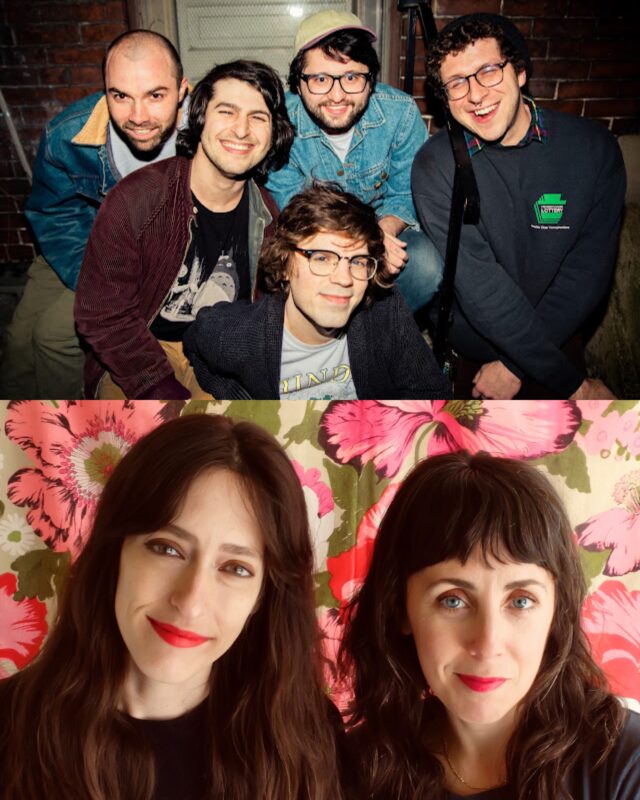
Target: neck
[(145, 699), (520, 125), (300, 325), (215, 191)]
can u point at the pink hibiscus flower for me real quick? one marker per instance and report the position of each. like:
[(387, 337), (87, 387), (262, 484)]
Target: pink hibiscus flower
[(617, 528), (23, 624), (74, 447), (349, 568), (384, 432), (320, 508), (332, 627), (611, 620), (606, 434)]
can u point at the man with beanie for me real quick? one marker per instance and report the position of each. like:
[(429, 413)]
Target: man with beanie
[(551, 195), (360, 134)]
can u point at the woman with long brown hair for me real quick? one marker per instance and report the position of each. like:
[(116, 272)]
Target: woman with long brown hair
[(184, 661), (472, 675)]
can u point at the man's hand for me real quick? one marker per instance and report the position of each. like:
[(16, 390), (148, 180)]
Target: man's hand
[(495, 381), (592, 389), (395, 250)]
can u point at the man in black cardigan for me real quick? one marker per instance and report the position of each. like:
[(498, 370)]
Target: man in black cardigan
[(328, 327)]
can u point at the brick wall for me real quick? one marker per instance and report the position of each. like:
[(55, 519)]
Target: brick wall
[(585, 53), (50, 55)]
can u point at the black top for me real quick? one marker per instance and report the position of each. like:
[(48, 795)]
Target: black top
[(180, 749)]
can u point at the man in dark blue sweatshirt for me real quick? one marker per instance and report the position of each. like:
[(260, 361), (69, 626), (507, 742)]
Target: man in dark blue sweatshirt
[(551, 196)]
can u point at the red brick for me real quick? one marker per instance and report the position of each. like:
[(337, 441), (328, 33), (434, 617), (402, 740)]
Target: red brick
[(91, 75), (74, 12), (538, 48), (116, 11), (16, 187), (27, 95), (612, 108), (624, 125), (101, 32), (616, 27), (26, 237), (52, 76), (615, 69), (76, 55), (17, 76), (540, 88), (38, 115), (47, 34), (457, 7), (599, 89), (527, 8), (19, 252), (594, 48), (584, 8), (565, 28), (568, 106), (69, 94), (27, 56), (8, 235), (560, 68)]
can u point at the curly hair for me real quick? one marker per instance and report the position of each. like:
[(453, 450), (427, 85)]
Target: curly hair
[(448, 507), (268, 727), (464, 31), (324, 206), (266, 81), (346, 45)]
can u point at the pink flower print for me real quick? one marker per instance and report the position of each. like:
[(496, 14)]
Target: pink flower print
[(23, 624), (74, 447), (617, 528), (349, 568), (611, 620), (384, 432), (320, 508), (332, 627), (606, 434)]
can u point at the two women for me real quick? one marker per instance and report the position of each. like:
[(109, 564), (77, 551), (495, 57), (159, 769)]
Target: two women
[(184, 661), (472, 675)]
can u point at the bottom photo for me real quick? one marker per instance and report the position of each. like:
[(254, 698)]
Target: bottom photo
[(320, 600)]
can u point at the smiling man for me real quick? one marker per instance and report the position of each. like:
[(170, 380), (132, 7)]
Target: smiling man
[(329, 326), (551, 195), (84, 151), (181, 235), (361, 134)]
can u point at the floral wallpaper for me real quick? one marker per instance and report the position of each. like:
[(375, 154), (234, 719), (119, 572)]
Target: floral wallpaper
[(350, 457)]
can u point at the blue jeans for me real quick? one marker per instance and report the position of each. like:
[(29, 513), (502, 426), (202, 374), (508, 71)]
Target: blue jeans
[(420, 278)]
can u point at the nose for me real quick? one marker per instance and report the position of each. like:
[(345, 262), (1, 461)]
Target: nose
[(486, 634), (477, 93), (336, 92), (241, 126), (342, 273), (138, 114), (192, 592)]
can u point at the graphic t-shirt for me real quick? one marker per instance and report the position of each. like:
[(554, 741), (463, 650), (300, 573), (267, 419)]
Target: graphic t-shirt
[(315, 372), (215, 269)]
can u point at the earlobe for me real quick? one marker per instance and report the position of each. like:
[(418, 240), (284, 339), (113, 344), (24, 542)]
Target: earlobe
[(184, 85), (522, 78)]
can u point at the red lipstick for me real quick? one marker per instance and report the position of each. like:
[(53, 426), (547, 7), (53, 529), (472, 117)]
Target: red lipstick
[(481, 684), (176, 637)]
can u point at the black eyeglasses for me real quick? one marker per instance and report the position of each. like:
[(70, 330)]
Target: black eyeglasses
[(487, 76), (350, 82), (325, 262)]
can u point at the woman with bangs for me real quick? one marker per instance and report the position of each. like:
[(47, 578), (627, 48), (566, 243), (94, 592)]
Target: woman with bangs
[(184, 662), (471, 673)]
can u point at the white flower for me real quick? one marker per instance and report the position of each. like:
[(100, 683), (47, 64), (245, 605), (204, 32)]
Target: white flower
[(16, 536)]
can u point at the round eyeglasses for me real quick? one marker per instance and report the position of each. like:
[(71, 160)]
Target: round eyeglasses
[(487, 76), (350, 82), (325, 262)]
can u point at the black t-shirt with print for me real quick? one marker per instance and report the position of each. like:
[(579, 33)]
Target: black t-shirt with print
[(216, 268)]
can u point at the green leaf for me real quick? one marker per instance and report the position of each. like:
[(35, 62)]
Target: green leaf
[(571, 464), (621, 406), (1, 508), (324, 595), (198, 406), (37, 570), (263, 412), (307, 430), (592, 562), (354, 493), (585, 424)]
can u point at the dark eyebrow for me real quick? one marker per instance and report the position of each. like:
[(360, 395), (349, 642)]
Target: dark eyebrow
[(151, 91), (521, 584), (226, 103), (228, 547)]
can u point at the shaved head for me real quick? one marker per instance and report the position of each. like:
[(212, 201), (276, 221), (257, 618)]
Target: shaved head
[(139, 45)]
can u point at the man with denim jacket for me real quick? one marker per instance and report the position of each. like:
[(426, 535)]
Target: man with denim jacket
[(360, 134), (84, 151), (181, 235)]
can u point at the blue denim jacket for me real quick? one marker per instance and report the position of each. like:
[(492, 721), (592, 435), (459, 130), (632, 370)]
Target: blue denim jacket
[(377, 168), (71, 177)]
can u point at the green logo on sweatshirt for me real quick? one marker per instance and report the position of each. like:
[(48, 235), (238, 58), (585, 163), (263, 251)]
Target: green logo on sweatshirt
[(549, 209)]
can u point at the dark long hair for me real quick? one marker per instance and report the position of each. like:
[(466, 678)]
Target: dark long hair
[(345, 45), (323, 206), (266, 81), (447, 507), (268, 727)]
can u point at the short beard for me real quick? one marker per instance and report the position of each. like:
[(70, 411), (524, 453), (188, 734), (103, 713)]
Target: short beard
[(147, 154), (335, 131)]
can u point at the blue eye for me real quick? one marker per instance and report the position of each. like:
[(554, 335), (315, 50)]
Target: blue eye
[(522, 602), (452, 602)]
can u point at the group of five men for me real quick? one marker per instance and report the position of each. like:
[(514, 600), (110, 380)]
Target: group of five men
[(185, 264)]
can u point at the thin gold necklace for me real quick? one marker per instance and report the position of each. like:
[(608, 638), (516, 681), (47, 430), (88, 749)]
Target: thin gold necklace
[(460, 778)]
